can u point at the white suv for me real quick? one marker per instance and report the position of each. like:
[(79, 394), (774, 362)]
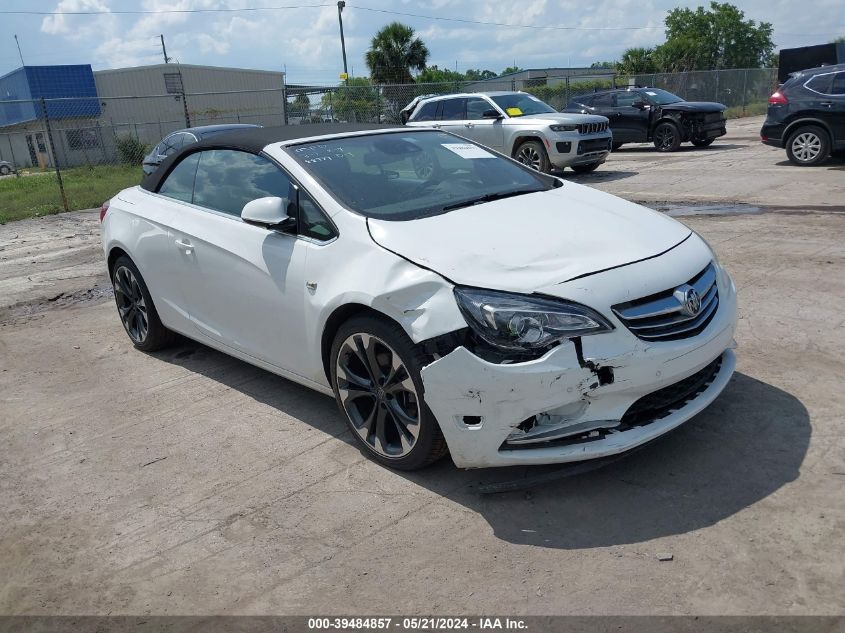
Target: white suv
[(519, 125)]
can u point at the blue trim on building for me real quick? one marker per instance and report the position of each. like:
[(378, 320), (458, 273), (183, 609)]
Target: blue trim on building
[(69, 89)]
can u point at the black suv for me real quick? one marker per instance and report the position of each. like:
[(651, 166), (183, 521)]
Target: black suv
[(640, 115), (807, 115)]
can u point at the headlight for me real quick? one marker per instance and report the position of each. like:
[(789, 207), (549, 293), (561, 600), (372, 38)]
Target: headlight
[(563, 128), (519, 322)]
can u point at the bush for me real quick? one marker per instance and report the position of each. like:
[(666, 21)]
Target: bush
[(131, 150)]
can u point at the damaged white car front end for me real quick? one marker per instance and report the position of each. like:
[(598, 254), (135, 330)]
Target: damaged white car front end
[(590, 396)]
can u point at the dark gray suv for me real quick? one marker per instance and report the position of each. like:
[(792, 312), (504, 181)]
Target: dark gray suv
[(806, 115), (178, 139)]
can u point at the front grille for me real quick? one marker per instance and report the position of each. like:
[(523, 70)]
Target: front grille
[(592, 128), (712, 117), (593, 145), (659, 404), (664, 317)]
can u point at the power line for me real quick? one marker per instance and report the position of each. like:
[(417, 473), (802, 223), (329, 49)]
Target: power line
[(164, 11), (551, 27)]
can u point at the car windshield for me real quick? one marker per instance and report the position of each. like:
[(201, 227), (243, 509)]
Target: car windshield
[(409, 175), (520, 104), (660, 97)]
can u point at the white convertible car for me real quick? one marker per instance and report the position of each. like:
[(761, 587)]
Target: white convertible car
[(451, 299)]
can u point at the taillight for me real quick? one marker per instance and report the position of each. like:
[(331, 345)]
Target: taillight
[(778, 99), (103, 210)]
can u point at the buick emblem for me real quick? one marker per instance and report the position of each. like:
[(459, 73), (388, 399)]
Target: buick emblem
[(689, 299)]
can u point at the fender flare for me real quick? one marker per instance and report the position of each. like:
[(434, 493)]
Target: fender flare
[(792, 125)]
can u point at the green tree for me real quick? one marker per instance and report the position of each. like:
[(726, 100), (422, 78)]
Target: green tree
[(511, 69), (839, 40), (637, 61), (394, 53), (353, 101), (477, 75), (300, 105), (604, 65), (711, 39), (434, 75)]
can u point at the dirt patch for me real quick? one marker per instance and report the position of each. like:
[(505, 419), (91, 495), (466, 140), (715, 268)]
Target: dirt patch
[(27, 311)]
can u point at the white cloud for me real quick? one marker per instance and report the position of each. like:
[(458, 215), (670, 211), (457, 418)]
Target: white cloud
[(307, 39)]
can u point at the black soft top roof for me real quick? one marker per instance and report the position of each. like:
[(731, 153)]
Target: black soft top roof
[(254, 140)]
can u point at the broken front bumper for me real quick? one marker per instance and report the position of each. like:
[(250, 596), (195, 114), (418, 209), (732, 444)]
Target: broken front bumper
[(560, 408)]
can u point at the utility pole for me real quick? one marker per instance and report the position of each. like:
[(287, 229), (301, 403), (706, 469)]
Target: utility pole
[(164, 50), (21, 54), (340, 6)]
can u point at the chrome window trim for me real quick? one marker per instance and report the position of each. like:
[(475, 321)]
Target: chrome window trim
[(825, 94)]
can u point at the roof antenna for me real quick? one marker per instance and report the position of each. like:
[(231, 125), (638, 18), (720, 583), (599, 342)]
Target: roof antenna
[(19, 49)]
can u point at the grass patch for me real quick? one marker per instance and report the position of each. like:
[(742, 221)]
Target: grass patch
[(751, 109), (36, 193)]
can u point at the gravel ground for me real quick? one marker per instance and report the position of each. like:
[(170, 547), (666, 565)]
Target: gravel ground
[(187, 482)]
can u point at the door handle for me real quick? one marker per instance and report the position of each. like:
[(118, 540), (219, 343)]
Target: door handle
[(827, 104), (436, 125), (185, 246), (469, 124)]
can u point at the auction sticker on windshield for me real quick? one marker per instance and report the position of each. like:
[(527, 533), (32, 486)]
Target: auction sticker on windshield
[(467, 150)]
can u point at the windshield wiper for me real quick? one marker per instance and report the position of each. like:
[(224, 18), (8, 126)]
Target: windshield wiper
[(489, 197)]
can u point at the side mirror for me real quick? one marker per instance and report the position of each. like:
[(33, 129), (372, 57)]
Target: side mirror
[(491, 114), (270, 212), (639, 104)]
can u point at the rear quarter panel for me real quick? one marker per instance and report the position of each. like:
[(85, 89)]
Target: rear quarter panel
[(138, 224)]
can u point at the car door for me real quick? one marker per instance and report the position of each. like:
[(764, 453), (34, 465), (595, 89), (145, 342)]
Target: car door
[(630, 124), (452, 114), (487, 131), (837, 109), (243, 284), (160, 264)]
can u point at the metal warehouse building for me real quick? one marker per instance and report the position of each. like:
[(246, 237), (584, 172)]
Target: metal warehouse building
[(85, 112)]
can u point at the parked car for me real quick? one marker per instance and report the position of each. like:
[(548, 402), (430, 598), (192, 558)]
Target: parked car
[(6, 168), (643, 115), (806, 115), (517, 124), (478, 307), (175, 141)]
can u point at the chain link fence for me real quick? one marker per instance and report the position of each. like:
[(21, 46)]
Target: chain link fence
[(64, 154), (74, 153)]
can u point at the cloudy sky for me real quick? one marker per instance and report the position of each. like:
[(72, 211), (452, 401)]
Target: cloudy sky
[(304, 40)]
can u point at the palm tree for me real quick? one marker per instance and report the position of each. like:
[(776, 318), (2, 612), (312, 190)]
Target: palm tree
[(637, 61), (394, 52)]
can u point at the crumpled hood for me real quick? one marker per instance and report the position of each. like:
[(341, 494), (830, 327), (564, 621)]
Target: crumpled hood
[(695, 106), (532, 241)]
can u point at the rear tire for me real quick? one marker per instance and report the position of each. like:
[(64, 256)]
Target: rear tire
[(808, 146), (136, 309), (375, 375), (667, 137), (533, 154), (585, 169), (5, 170), (703, 142)]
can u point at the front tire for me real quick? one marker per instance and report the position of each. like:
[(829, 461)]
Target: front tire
[(615, 146), (667, 137), (585, 169), (808, 146), (533, 154), (375, 374), (5, 170), (136, 309), (703, 142)]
